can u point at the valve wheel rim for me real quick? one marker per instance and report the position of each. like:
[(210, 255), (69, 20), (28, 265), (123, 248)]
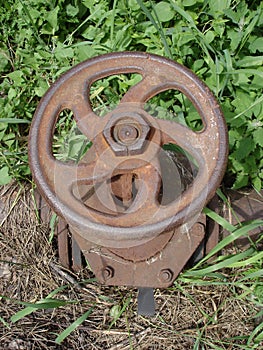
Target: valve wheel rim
[(71, 91)]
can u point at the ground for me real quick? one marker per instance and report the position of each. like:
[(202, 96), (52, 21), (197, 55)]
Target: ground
[(188, 316)]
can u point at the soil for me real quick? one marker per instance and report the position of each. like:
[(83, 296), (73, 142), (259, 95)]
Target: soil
[(187, 316)]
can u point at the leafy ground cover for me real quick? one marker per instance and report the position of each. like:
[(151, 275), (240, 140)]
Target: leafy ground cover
[(221, 41), (211, 306)]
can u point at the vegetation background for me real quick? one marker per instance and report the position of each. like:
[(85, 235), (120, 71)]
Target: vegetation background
[(222, 42)]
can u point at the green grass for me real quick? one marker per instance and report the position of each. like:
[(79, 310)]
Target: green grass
[(220, 40)]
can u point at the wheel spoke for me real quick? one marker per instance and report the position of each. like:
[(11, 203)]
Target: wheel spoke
[(62, 174), (87, 120), (193, 142), (142, 91), (148, 183)]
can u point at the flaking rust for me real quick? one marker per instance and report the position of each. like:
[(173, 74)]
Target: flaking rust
[(122, 212)]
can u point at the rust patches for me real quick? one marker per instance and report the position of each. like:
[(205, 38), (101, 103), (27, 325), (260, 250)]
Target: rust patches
[(139, 239)]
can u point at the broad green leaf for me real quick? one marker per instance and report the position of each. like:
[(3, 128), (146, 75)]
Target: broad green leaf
[(4, 60), (17, 77), (235, 38), (241, 80), (257, 183), (118, 315), (72, 10), (249, 61), (245, 147), (5, 178), (89, 3), (217, 7), (42, 88), (11, 93), (164, 11), (241, 181), (52, 18), (189, 2), (63, 52), (115, 311), (198, 64), (84, 52), (258, 136), (242, 102), (248, 71), (257, 101), (233, 15), (52, 22), (256, 45), (209, 36)]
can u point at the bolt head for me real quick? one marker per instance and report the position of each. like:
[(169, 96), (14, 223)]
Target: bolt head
[(126, 133), (166, 275), (107, 272)]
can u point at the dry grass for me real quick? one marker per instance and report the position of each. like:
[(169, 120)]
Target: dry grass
[(29, 271)]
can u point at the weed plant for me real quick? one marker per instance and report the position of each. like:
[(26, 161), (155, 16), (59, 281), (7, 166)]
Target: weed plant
[(220, 40)]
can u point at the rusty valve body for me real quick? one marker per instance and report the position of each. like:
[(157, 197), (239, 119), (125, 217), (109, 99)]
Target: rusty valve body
[(127, 210)]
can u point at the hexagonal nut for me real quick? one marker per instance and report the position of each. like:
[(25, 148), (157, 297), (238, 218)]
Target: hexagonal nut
[(126, 133)]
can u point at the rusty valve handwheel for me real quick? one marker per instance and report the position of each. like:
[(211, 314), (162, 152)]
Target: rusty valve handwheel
[(126, 142)]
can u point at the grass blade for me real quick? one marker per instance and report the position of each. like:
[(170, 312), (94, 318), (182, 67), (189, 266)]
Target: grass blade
[(73, 326), (226, 263), (252, 275), (46, 303), (252, 260), (14, 121), (257, 334), (157, 26), (201, 40), (237, 233), (42, 304), (4, 323), (219, 219)]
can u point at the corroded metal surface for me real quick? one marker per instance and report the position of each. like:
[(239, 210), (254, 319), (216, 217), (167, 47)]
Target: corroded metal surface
[(128, 154), (126, 208), (157, 269)]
